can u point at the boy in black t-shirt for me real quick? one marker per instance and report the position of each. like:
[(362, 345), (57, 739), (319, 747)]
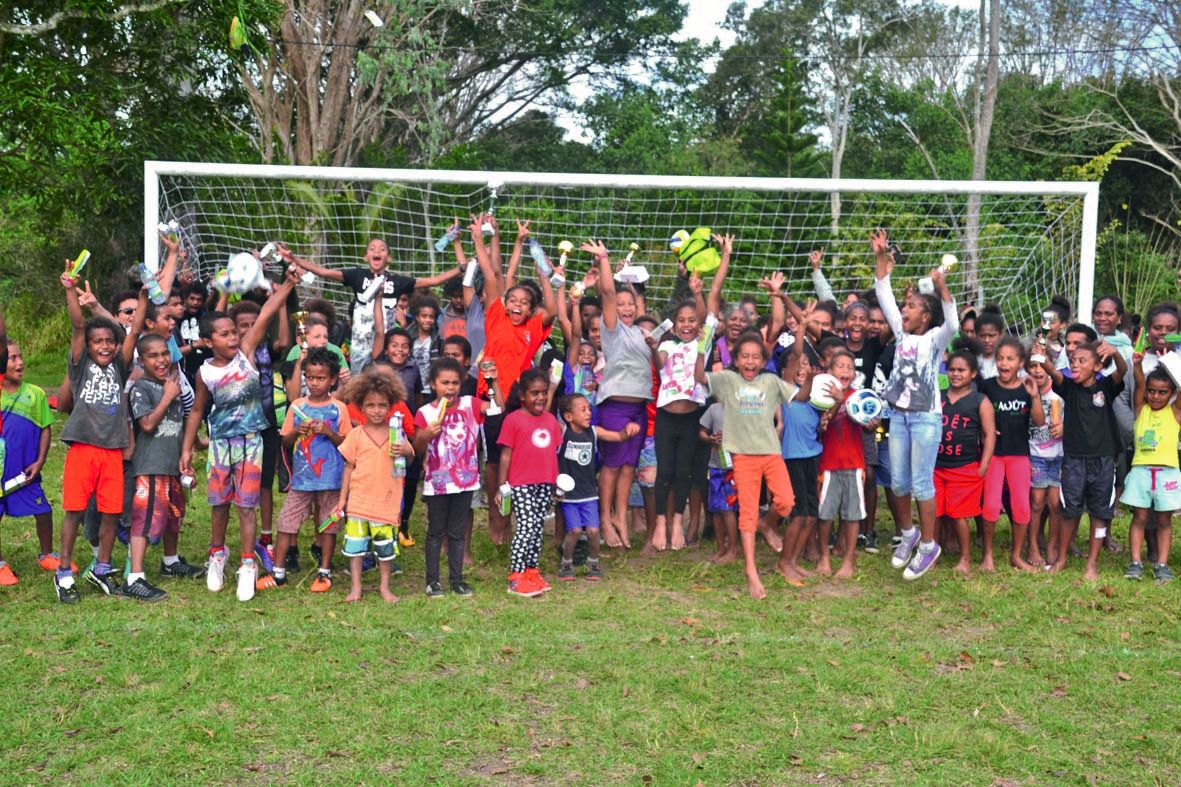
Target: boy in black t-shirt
[(1089, 446)]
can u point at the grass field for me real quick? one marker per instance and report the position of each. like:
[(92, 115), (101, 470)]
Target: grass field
[(665, 673)]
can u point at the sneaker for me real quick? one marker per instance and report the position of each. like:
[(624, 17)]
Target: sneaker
[(1134, 571), (66, 595), (435, 590), (181, 569), (861, 541), (895, 540), (7, 578), (904, 549), (247, 573), (581, 551), (395, 569), (280, 579), (521, 585), (405, 540), (322, 583), (124, 535), (265, 582), (921, 563), (52, 562), (538, 579), (566, 572), (317, 554), (871, 542), (291, 559), (142, 590), (462, 589), (593, 572), (1162, 573), (105, 582), (215, 576), (262, 553)]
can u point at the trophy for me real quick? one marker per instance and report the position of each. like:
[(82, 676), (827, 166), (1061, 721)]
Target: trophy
[(631, 252), (486, 227), (1043, 333), (946, 265), (301, 333), (486, 367), (565, 249)]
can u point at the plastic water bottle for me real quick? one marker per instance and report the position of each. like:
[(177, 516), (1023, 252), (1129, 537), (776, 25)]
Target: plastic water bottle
[(447, 238), (155, 293), (506, 499), (396, 438), (544, 268), (79, 263)]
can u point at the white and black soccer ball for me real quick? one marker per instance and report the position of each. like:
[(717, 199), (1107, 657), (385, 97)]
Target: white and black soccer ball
[(242, 274), (864, 406)]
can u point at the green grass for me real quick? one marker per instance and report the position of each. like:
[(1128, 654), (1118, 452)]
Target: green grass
[(665, 673)]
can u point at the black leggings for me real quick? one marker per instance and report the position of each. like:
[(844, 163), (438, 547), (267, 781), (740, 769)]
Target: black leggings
[(677, 444), (446, 517)]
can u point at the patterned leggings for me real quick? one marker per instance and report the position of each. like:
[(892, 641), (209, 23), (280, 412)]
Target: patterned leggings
[(531, 503)]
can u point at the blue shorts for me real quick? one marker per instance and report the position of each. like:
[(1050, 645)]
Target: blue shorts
[(914, 446), (584, 513), (1045, 472), (1153, 487), (723, 495), (29, 500)]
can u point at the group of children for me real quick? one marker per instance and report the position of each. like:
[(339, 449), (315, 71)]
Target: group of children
[(717, 411)]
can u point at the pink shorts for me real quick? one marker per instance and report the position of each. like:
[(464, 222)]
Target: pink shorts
[(1014, 471), (298, 506)]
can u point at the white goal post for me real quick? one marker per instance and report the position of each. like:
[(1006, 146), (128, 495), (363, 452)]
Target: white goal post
[(1033, 239)]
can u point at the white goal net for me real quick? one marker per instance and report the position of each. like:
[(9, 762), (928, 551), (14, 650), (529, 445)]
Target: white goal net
[(1032, 240)]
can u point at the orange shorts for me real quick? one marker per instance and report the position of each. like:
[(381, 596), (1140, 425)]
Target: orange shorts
[(90, 470)]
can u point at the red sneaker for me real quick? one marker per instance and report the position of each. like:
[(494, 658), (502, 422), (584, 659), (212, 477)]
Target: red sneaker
[(521, 584), (538, 579), (7, 578)]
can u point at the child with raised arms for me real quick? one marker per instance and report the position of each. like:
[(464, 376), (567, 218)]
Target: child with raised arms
[(370, 492), (95, 434), (1153, 486), (577, 454), (447, 438), (923, 328), (528, 466), (1017, 405), (751, 401), (314, 427), (229, 382), (1088, 447), (966, 445), (27, 422)]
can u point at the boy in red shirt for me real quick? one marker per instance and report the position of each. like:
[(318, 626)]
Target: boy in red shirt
[(842, 471)]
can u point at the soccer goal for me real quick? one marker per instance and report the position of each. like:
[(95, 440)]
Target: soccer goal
[(1018, 242)]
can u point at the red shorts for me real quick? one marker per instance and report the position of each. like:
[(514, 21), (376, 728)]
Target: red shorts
[(157, 506), (959, 491), (90, 470)]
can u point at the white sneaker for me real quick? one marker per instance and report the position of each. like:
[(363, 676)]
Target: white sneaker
[(215, 577), (246, 576)]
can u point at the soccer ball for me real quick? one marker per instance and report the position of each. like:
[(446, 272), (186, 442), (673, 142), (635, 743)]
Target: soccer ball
[(242, 274), (679, 239), (822, 387), (863, 406)]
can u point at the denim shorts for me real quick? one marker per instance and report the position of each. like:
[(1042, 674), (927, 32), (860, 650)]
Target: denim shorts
[(914, 446), (1045, 472)]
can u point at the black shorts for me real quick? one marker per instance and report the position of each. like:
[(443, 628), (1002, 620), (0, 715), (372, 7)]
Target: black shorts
[(805, 485), (270, 455), (492, 424), (1088, 484)]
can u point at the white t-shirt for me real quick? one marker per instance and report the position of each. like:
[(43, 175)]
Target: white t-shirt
[(677, 376)]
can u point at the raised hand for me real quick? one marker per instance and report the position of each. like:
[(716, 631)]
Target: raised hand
[(695, 284), (169, 243), (87, 299), (879, 241), (522, 229), (1030, 386), (595, 248), (815, 258), (725, 242)]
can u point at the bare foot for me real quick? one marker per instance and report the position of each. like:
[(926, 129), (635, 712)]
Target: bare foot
[(659, 536), (1074, 551), (1036, 560), (1051, 559), (963, 567), (1021, 565), (353, 596), (1111, 545), (649, 550), (755, 586), (388, 597), (845, 571), (773, 539), (812, 556), (676, 537), (727, 557), (1091, 574), (790, 573), (715, 557), (467, 561), (986, 565), (803, 572), (824, 569)]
